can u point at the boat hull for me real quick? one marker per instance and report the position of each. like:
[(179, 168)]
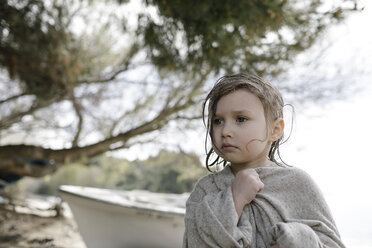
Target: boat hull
[(114, 225)]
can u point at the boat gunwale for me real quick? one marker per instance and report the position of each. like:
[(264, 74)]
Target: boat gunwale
[(62, 189)]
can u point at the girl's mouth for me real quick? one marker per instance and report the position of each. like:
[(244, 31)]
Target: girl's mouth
[(228, 147)]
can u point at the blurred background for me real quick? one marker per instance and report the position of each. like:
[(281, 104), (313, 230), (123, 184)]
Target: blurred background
[(108, 93)]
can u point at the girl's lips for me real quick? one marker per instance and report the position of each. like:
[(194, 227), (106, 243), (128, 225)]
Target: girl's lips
[(228, 147)]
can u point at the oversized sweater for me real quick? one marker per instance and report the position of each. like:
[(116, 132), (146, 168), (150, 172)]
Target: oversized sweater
[(290, 211)]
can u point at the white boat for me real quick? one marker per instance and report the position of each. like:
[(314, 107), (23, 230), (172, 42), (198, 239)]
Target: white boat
[(126, 219)]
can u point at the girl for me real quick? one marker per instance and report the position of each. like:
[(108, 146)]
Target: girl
[(254, 201)]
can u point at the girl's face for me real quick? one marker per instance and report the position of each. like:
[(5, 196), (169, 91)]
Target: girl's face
[(240, 130)]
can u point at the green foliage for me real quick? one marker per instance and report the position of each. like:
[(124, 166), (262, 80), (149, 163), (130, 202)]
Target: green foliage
[(169, 172), (102, 172), (37, 49), (251, 35)]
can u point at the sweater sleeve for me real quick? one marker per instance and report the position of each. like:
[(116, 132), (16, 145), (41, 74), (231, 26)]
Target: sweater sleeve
[(295, 235), (311, 224), (211, 220)]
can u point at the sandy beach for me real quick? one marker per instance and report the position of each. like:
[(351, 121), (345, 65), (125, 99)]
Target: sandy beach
[(35, 229)]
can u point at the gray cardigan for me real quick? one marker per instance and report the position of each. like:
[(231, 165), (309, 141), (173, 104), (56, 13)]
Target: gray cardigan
[(290, 212)]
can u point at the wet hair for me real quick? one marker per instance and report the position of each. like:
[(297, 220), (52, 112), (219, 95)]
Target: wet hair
[(269, 95)]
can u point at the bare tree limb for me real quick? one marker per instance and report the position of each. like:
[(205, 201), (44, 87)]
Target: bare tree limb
[(188, 118), (9, 120), (23, 166), (125, 64), (78, 112), (13, 153), (13, 98)]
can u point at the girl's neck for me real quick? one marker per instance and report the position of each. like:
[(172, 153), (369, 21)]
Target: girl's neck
[(238, 167)]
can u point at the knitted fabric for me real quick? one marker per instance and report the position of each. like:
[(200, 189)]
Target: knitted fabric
[(290, 211)]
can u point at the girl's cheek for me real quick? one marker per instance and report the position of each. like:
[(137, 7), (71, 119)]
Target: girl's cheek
[(215, 134)]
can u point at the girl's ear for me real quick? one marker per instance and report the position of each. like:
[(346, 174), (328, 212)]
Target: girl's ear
[(278, 130)]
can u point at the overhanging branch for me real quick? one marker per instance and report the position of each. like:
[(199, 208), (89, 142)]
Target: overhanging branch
[(9, 120), (11, 154), (13, 98), (77, 108)]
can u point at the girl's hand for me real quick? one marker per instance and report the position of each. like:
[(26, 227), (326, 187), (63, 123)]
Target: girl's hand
[(245, 187)]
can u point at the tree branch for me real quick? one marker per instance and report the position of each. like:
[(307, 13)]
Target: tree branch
[(23, 166), (15, 155), (9, 120), (124, 67), (13, 98), (189, 118), (77, 108)]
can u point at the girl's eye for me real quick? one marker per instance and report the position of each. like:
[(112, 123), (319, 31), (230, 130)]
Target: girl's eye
[(217, 121), (241, 119)]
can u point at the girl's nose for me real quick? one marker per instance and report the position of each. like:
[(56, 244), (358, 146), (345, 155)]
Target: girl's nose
[(226, 130)]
